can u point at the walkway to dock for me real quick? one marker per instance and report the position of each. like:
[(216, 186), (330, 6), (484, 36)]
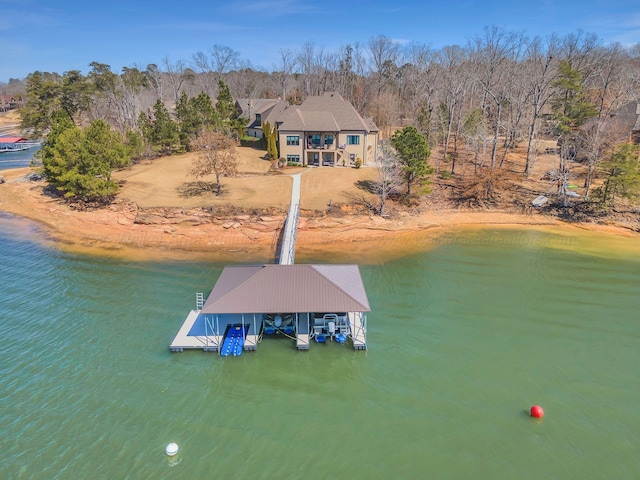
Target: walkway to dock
[(288, 247)]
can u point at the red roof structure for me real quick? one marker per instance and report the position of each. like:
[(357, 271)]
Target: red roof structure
[(12, 139)]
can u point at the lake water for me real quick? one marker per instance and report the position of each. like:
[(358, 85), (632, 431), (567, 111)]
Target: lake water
[(463, 339), (17, 159)]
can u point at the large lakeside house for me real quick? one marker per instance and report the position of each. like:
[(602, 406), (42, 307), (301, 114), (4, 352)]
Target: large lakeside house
[(324, 130)]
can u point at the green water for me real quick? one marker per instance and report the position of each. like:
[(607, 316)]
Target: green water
[(463, 339)]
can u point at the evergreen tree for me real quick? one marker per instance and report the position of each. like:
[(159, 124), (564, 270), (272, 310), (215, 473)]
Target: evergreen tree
[(164, 131), (208, 113), (266, 135), (570, 105), (190, 122), (76, 92), (270, 139), (194, 115), (273, 143), (44, 93), (413, 152), (135, 143), (54, 165), (78, 163), (225, 105), (622, 172)]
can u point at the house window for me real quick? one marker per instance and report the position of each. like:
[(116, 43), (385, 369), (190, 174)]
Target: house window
[(328, 139), (293, 158), (314, 139), (353, 139), (293, 140), (258, 118)]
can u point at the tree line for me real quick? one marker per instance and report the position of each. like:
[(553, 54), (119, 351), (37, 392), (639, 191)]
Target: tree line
[(473, 103)]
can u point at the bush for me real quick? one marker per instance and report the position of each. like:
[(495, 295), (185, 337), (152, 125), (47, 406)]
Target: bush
[(358, 162)]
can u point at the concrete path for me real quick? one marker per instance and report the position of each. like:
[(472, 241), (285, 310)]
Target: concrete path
[(288, 248)]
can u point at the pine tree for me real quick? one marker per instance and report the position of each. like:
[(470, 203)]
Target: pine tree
[(164, 131), (225, 105), (413, 152), (622, 172), (78, 163)]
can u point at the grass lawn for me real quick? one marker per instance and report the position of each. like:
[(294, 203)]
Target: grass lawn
[(167, 182)]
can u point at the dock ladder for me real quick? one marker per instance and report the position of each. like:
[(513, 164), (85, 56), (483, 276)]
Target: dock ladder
[(199, 300)]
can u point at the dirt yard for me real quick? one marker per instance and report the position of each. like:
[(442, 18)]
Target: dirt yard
[(167, 182), (10, 123)]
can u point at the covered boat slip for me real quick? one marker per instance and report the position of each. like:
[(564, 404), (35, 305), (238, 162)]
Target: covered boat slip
[(15, 144), (303, 302)]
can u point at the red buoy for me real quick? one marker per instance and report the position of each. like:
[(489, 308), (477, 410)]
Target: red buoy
[(537, 411)]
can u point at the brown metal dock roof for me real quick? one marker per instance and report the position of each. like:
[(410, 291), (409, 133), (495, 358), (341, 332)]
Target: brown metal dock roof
[(288, 288)]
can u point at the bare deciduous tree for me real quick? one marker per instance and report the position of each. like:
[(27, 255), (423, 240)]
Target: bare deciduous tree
[(178, 74), (284, 68), (540, 76), (388, 175), (216, 154), (383, 54)]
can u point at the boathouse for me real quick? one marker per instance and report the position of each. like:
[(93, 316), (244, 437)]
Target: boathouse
[(15, 144), (324, 303)]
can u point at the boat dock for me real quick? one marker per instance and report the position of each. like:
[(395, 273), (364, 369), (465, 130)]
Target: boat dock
[(324, 303), (16, 144)]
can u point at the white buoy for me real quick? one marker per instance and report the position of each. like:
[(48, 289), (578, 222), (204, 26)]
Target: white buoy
[(172, 449)]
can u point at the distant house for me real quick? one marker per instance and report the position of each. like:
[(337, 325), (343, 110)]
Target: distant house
[(324, 130), (254, 109), (8, 102), (627, 118)]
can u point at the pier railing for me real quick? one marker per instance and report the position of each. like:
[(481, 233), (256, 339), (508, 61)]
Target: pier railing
[(288, 248)]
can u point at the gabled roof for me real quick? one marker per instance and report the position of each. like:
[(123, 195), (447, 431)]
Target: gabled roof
[(12, 139), (274, 114), (251, 106), (288, 289), (629, 116), (328, 112)]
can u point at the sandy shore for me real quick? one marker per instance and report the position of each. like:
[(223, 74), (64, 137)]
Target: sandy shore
[(123, 230)]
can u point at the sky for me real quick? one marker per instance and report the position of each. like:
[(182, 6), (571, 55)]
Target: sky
[(63, 35)]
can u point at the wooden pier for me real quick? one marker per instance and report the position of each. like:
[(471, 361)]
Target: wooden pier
[(288, 247)]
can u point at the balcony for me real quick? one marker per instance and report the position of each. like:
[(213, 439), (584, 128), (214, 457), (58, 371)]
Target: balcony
[(320, 146)]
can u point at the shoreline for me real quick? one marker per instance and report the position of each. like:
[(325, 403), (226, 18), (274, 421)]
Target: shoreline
[(123, 230)]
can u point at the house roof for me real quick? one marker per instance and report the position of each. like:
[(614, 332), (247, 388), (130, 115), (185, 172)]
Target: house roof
[(12, 139), (629, 116), (328, 112), (273, 115), (251, 106), (288, 289)]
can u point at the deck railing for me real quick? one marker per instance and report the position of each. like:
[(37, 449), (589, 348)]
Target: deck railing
[(288, 248)]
